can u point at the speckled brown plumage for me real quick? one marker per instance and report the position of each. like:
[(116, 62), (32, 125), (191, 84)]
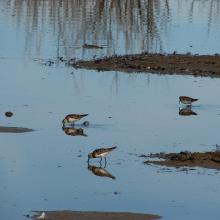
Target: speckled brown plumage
[(101, 152), (71, 118), (187, 100)]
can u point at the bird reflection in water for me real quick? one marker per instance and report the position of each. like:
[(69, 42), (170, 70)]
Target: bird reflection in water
[(74, 131), (99, 171), (186, 111)]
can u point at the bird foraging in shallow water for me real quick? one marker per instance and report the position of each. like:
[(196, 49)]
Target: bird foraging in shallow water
[(187, 100), (100, 153), (71, 118)]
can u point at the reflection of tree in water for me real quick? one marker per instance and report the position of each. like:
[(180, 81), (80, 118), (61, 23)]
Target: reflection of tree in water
[(213, 7), (124, 26)]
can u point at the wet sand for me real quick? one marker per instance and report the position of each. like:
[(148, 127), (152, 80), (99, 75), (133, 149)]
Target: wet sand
[(75, 215), (4, 129), (185, 64), (209, 160)]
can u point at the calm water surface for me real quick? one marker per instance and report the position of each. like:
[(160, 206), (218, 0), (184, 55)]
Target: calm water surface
[(47, 169)]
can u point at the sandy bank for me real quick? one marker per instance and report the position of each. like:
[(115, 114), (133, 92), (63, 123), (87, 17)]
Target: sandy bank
[(186, 64)]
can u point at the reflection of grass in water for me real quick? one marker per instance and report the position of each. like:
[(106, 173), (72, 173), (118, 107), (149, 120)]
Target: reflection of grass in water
[(77, 22)]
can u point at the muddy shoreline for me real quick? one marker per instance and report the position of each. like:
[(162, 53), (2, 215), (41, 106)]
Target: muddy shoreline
[(4, 129), (209, 160), (77, 215), (184, 64)]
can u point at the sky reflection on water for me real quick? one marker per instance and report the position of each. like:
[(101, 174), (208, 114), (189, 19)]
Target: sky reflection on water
[(60, 28)]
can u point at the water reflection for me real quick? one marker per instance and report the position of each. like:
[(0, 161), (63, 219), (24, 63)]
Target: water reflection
[(73, 24), (126, 26), (186, 111), (217, 147), (99, 171), (74, 131)]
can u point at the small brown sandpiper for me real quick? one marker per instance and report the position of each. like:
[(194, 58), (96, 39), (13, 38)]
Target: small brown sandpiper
[(187, 100), (71, 118), (100, 153)]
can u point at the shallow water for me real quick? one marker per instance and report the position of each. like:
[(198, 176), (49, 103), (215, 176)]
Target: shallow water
[(47, 169)]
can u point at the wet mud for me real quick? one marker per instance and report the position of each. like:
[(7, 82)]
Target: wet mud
[(75, 215), (184, 64), (4, 129), (209, 160)]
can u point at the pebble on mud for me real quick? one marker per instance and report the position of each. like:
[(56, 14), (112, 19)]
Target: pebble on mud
[(86, 123), (8, 114)]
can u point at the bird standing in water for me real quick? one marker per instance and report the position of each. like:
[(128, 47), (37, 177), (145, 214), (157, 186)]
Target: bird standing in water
[(100, 153), (72, 118), (187, 100)]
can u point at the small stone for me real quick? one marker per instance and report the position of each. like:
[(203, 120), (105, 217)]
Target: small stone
[(8, 114), (86, 123)]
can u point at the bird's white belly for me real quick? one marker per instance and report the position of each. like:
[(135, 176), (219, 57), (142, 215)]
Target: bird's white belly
[(73, 119), (103, 154)]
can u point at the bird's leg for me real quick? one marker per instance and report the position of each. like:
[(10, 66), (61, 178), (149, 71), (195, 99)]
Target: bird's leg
[(100, 162), (105, 163), (88, 161)]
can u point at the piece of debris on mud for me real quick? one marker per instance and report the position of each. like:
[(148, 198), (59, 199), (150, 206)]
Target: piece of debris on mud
[(73, 215), (92, 46), (8, 114), (185, 158), (185, 64)]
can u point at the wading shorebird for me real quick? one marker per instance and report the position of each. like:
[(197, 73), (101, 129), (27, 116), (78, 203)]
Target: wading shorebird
[(71, 118), (186, 100), (100, 153), (99, 171)]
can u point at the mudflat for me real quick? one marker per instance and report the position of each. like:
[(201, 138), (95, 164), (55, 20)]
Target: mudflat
[(185, 64), (4, 129), (76, 215), (188, 159)]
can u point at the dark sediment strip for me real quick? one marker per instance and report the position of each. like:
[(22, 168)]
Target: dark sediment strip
[(75, 215), (196, 159), (4, 129), (185, 64)]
